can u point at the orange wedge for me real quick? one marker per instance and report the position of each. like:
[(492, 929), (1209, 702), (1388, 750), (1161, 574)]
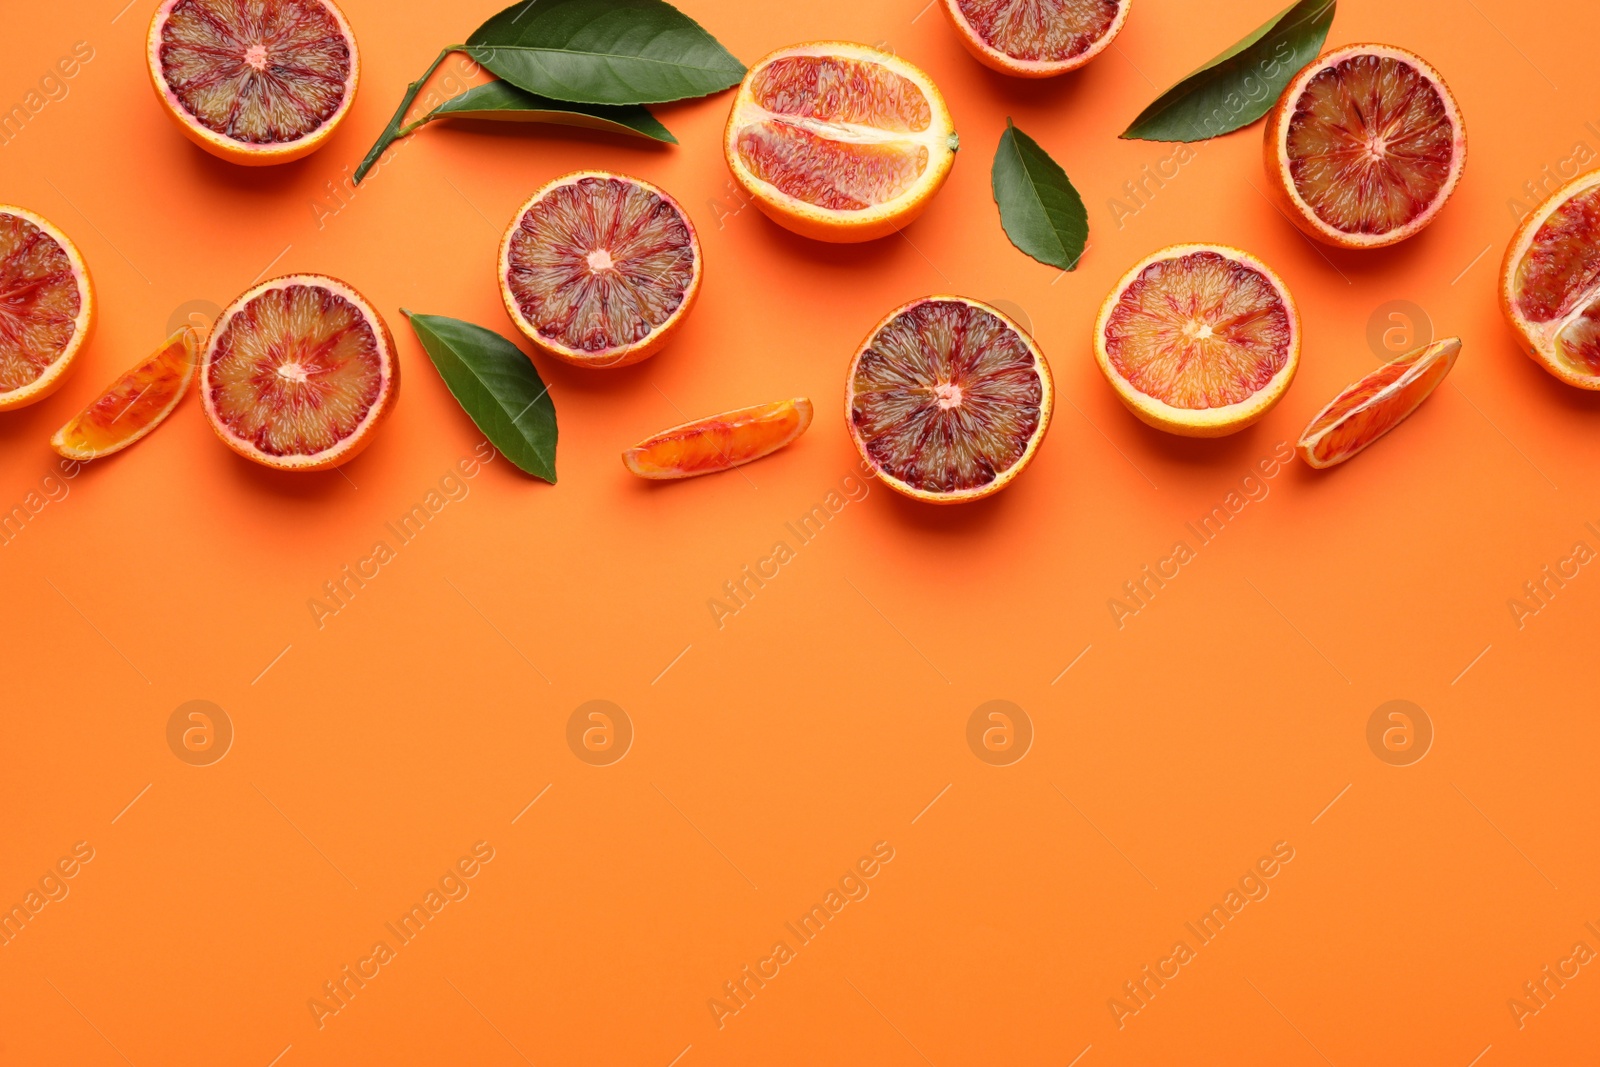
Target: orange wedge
[(1376, 404), (713, 444), (134, 404)]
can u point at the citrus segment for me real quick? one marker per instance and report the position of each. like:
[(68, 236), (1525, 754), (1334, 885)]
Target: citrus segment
[(1036, 38), (1376, 404), (257, 82), (1200, 340), (298, 373), (837, 141), (1365, 146), (46, 307), (1550, 282), (134, 404), (719, 442), (948, 399), (599, 269)]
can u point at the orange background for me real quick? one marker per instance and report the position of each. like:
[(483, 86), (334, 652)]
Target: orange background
[(771, 754)]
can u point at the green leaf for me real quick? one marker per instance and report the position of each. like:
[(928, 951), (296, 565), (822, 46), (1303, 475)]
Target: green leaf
[(500, 101), (1041, 212), (604, 51), (498, 386), (1240, 85)]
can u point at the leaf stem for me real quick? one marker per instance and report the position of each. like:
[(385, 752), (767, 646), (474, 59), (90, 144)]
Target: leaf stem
[(393, 132)]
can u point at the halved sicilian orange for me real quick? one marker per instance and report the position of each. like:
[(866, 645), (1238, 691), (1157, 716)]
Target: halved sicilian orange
[(1036, 38), (838, 141), (1199, 340), (46, 307), (1550, 282), (719, 442), (298, 373), (1376, 404), (134, 404), (948, 399), (257, 82), (1364, 146), (599, 269)]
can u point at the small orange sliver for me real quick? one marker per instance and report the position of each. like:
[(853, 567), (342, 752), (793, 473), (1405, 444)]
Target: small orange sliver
[(134, 404), (713, 444), (1376, 404)]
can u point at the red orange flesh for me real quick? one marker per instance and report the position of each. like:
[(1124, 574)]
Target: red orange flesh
[(298, 373), (46, 307), (599, 269), (1365, 146), (258, 82), (719, 442), (1376, 404), (948, 399), (134, 404), (1550, 282), (1199, 340), (1036, 38)]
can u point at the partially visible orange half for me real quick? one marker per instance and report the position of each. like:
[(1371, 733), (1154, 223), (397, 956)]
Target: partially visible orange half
[(254, 83), (134, 404), (47, 307), (1550, 282), (1036, 38), (838, 141), (719, 442), (1376, 404), (1199, 340)]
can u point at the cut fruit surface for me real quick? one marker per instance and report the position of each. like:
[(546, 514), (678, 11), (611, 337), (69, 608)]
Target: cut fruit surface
[(838, 141), (948, 399), (1036, 38), (1199, 340), (134, 404), (254, 81), (713, 444), (298, 373), (1365, 146), (1550, 282), (599, 269), (46, 307), (1376, 404)]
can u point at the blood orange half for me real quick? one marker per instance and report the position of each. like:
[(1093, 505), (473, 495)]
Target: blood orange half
[(719, 442), (1365, 146), (948, 399), (1550, 282), (838, 141), (1199, 340), (46, 307), (599, 269), (298, 373), (1376, 404), (257, 82), (134, 404), (1036, 38)]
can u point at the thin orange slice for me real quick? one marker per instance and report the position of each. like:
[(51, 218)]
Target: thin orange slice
[(1036, 38), (254, 83), (1550, 282), (1199, 340), (1365, 146), (599, 269), (713, 444), (134, 404), (839, 141), (948, 399), (1376, 404), (298, 373), (46, 307)]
